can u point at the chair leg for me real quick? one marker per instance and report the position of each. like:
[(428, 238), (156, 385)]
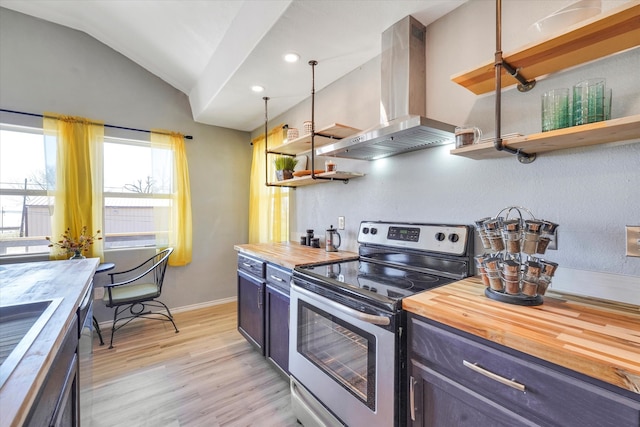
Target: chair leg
[(96, 326), (139, 314), (170, 317), (113, 327)]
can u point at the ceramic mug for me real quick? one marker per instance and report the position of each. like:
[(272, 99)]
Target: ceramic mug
[(467, 135)]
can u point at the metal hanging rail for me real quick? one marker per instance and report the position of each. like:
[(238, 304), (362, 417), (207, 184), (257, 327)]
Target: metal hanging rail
[(523, 87)]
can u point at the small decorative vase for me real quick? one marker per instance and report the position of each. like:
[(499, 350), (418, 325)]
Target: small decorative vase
[(77, 255), (281, 175)]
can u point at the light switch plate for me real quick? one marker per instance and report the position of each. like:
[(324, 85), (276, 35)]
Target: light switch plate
[(340, 223), (633, 240)]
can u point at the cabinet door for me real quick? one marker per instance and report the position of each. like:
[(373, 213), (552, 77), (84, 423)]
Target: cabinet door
[(437, 401), (277, 304), (548, 395), (57, 404), (251, 309)]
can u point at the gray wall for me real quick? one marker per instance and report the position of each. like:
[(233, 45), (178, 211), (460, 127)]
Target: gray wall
[(591, 192), (47, 67)]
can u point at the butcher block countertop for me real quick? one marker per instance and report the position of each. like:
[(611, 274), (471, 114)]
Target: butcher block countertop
[(596, 338), (292, 254), (66, 281)]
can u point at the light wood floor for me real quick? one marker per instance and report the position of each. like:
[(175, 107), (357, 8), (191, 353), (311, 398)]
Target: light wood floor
[(206, 375)]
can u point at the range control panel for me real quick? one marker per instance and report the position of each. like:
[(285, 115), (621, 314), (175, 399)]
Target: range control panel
[(405, 234), (449, 239)]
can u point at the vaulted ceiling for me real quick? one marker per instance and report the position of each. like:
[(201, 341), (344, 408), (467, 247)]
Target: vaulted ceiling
[(216, 50)]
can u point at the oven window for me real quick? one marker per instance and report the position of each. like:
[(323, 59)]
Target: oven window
[(342, 351)]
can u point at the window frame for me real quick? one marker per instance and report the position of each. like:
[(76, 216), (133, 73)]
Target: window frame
[(127, 139)]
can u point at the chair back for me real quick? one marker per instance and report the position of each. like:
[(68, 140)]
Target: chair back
[(160, 261)]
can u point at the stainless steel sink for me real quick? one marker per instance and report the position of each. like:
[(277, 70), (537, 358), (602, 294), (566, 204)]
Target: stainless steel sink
[(20, 325)]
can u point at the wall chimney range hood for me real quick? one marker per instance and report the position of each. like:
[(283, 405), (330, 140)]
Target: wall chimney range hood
[(403, 126)]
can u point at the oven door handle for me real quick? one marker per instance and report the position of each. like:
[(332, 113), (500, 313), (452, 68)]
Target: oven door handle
[(369, 318)]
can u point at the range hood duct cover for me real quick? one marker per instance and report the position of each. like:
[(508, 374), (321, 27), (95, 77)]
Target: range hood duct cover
[(403, 126)]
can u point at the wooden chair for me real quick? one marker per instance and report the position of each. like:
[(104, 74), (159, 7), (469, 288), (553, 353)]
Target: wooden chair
[(134, 294)]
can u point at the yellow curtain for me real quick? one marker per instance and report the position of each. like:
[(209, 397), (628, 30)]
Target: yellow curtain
[(268, 206), (180, 236), (77, 194)]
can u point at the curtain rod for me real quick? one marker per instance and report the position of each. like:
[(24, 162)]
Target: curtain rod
[(107, 126)]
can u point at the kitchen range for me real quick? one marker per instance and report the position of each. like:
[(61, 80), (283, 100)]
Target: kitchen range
[(347, 328)]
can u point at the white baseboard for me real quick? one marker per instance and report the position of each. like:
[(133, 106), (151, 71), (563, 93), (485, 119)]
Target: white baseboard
[(107, 323), (203, 305)]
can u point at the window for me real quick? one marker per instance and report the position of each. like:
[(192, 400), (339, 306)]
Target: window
[(24, 205), (137, 191)]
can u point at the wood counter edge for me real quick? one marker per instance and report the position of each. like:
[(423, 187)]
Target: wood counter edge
[(53, 332), (265, 251), (605, 369)]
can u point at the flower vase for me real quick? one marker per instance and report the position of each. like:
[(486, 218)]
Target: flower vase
[(77, 255)]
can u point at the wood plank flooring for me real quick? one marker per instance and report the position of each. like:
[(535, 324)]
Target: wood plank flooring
[(206, 375)]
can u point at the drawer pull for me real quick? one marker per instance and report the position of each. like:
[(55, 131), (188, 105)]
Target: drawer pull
[(246, 264), (495, 377), (276, 278), (412, 397)]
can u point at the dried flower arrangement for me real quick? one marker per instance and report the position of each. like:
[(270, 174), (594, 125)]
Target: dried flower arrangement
[(75, 245)]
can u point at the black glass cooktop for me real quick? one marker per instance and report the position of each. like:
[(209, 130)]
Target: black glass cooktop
[(385, 281)]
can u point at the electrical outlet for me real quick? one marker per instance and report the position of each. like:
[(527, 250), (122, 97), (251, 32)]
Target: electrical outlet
[(340, 223), (633, 240)]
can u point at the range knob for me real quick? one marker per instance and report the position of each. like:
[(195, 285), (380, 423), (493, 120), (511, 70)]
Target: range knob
[(374, 230), (454, 237), (440, 237), (365, 230)]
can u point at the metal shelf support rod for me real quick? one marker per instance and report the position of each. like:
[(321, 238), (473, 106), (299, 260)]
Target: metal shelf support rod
[(499, 63), (313, 64)]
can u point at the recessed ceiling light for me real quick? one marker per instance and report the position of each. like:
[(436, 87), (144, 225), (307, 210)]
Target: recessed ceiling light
[(291, 57), (257, 88)]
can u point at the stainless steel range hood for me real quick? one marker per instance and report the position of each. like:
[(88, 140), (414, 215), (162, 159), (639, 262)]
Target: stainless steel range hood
[(403, 126)]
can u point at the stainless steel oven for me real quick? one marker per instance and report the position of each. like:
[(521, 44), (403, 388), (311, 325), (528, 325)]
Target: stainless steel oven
[(346, 354)]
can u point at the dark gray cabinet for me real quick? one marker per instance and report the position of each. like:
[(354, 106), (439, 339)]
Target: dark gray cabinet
[(263, 308), (456, 379), (251, 288), (57, 402), (277, 317)]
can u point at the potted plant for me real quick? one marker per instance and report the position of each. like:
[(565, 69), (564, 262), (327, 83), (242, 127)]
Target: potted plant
[(284, 167)]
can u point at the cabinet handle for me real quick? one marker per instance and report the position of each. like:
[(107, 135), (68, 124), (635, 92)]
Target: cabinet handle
[(246, 264), (495, 377), (412, 397), (276, 278), (259, 298)]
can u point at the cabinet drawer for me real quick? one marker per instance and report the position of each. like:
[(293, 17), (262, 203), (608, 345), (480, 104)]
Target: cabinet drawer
[(546, 396), (279, 277), (251, 265)]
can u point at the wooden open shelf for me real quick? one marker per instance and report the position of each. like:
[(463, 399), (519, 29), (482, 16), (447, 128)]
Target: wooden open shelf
[(324, 136), (302, 145), (600, 36), (307, 180), (615, 130)]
